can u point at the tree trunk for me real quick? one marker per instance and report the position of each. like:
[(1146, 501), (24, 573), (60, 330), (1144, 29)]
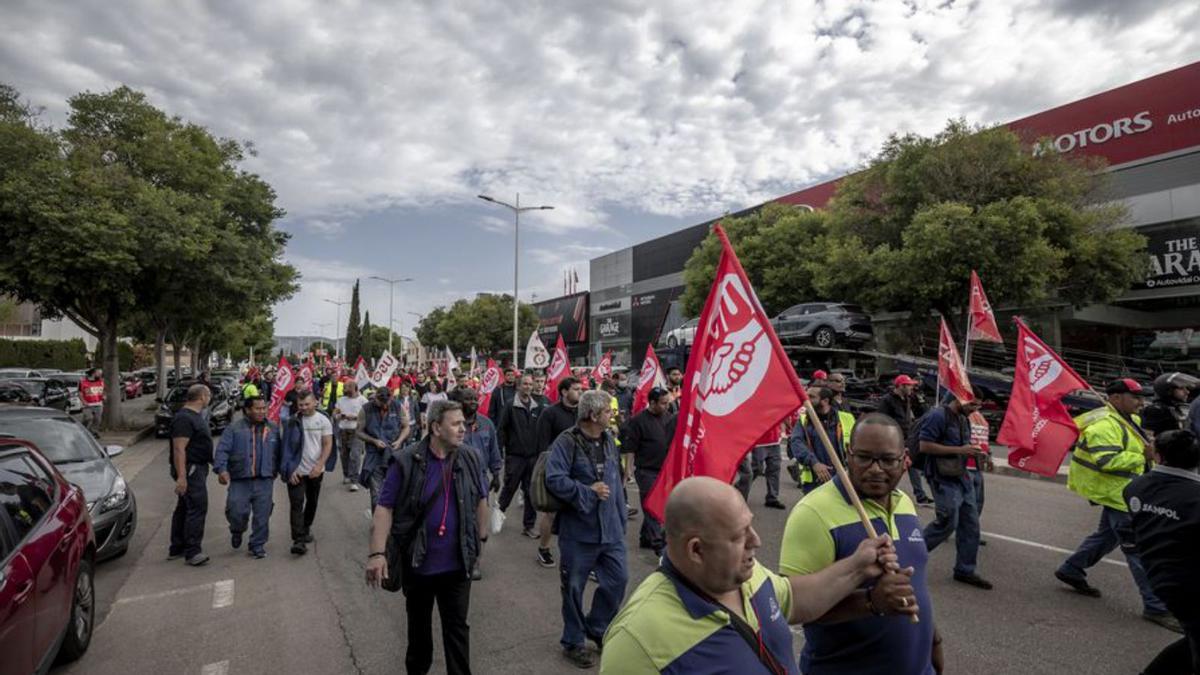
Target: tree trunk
[(160, 362), (112, 376), (178, 366)]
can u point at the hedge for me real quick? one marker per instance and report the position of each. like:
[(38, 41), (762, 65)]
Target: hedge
[(61, 354)]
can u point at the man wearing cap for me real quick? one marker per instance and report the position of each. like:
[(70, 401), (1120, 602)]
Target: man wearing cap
[(903, 405), (383, 426), (1112, 450), (805, 443), (644, 442)]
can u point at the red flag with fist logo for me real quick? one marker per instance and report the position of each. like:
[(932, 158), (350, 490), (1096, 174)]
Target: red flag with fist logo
[(285, 380), (603, 369), (649, 377), (951, 372), (558, 370), (1037, 426), (739, 383), (491, 380), (983, 322)]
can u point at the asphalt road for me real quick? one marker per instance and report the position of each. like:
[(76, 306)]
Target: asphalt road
[(313, 614)]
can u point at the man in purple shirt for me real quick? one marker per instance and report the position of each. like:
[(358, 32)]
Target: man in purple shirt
[(434, 503)]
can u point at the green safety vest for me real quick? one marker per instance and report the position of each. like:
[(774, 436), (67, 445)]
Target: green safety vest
[(250, 390), (1109, 453), (846, 425)]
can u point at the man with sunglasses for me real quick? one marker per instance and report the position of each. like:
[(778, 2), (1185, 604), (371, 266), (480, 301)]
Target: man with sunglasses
[(824, 529)]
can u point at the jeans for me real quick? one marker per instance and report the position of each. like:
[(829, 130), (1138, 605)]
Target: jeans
[(914, 477), (1116, 527), (977, 479), (303, 497), (576, 561), (375, 484), (452, 591), (518, 473), (191, 508), (91, 418), (351, 451), (763, 459), (246, 496), (957, 513), (651, 533)]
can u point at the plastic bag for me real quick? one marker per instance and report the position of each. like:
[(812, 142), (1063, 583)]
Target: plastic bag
[(497, 515)]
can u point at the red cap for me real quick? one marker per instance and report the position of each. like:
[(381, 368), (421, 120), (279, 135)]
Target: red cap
[(820, 375), (1124, 386), (902, 380)]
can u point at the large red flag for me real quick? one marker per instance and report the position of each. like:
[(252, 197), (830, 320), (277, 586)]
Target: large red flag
[(951, 373), (285, 379), (305, 376), (491, 380), (983, 322), (739, 383), (603, 369), (650, 376), (558, 370), (1037, 427)]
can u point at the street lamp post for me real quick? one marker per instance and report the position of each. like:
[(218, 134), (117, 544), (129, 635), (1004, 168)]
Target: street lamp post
[(517, 209), (320, 329), (420, 318), (391, 309), (337, 326)]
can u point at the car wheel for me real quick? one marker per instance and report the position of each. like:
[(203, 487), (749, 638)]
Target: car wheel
[(672, 342), (824, 337), (83, 615)]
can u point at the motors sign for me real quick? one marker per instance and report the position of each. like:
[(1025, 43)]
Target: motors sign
[(1101, 133)]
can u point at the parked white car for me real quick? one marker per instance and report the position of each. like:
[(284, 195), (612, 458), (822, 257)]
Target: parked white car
[(684, 335)]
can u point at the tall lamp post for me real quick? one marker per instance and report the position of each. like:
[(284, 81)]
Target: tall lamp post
[(517, 210), (320, 328), (391, 308), (337, 326), (420, 318)]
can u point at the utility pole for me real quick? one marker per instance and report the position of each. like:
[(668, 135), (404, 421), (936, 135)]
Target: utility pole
[(337, 335), (517, 209)]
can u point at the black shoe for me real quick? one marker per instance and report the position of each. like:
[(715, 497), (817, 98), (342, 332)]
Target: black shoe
[(298, 548), (530, 533), (794, 471), (545, 558), (258, 555), (983, 542), (1080, 584), (580, 657), (924, 501), (1166, 620), (775, 504), (235, 539), (599, 642), (174, 556), (476, 573), (631, 512), (974, 580), (307, 538)]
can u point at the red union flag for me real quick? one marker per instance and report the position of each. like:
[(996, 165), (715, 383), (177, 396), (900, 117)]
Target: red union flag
[(983, 322), (558, 370), (362, 377), (305, 376), (1037, 427), (951, 373), (650, 376), (603, 369), (285, 379), (739, 383), (491, 380)]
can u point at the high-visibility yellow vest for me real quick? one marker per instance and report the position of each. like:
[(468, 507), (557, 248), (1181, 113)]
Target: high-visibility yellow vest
[(1110, 452)]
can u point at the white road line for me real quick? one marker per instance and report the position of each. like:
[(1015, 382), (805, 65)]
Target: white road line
[(223, 596), (218, 668), (1048, 547), (162, 594)]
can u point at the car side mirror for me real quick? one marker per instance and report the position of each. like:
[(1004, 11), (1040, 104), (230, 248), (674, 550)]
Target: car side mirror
[(114, 450)]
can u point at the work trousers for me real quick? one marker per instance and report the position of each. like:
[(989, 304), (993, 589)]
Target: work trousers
[(452, 592), (518, 473), (762, 460), (91, 418), (351, 451), (303, 497), (576, 561), (651, 533), (956, 513), (191, 508), (1115, 528), (977, 480), (249, 496)]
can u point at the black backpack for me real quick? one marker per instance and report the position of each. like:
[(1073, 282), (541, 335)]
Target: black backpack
[(912, 443)]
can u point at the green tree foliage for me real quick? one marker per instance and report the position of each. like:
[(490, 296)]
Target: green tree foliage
[(368, 344), (354, 339), (484, 322), (905, 233), (379, 342)]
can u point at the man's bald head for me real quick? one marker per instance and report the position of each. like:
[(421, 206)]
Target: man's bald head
[(695, 503), (710, 539)]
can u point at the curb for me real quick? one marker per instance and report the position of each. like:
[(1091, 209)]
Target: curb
[(1003, 468), (138, 436)]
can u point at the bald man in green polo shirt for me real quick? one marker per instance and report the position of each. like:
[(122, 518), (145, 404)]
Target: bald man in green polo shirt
[(713, 608)]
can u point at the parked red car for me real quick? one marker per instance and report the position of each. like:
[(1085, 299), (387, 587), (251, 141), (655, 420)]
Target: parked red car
[(47, 598), (131, 386)]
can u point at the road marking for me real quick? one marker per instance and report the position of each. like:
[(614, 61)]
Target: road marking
[(163, 594), (1048, 547), (218, 668), (223, 596)]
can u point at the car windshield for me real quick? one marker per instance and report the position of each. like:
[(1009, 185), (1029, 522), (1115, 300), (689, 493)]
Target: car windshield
[(855, 309), (60, 439), (36, 388), (10, 375), (177, 395)]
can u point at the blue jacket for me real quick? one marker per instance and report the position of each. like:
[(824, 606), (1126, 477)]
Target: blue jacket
[(570, 473), (482, 436), (293, 447), (248, 451)]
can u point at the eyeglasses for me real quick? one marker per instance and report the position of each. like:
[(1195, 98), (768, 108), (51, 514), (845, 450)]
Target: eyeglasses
[(885, 463)]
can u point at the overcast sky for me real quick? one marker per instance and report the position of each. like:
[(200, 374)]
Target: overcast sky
[(379, 122)]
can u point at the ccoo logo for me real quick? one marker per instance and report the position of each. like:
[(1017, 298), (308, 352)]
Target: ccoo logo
[(741, 351), (1044, 369)]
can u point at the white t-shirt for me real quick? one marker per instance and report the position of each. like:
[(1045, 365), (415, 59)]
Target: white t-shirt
[(352, 407), (430, 397), (316, 427)]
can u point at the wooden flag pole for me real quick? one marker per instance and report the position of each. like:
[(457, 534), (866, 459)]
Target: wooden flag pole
[(840, 469)]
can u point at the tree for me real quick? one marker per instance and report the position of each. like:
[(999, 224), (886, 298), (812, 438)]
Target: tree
[(378, 342), (368, 345), (353, 346), (484, 322), (329, 347)]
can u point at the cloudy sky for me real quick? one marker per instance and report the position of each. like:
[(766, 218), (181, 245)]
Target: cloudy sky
[(379, 122)]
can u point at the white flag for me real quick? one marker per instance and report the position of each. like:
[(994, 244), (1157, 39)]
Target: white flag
[(474, 362), (384, 369), (536, 354), (361, 375), (451, 362), (451, 381)]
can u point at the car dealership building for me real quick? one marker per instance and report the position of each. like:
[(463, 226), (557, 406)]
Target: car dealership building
[(1149, 134)]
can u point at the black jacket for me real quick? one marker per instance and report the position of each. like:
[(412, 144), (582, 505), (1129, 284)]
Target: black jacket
[(645, 436), (518, 428), (1164, 505), (553, 421), (1162, 416), (904, 412), (501, 399)]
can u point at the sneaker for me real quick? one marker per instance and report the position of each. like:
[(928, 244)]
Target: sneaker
[(530, 533), (198, 559), (973, 580), (258, 555), (1166, 620), (580, 657), (235, 539), (592, 577), (476, 573), (1080, 584), (545, 558), (354, 487), (775, 504), (794, 471), (298, 548)]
